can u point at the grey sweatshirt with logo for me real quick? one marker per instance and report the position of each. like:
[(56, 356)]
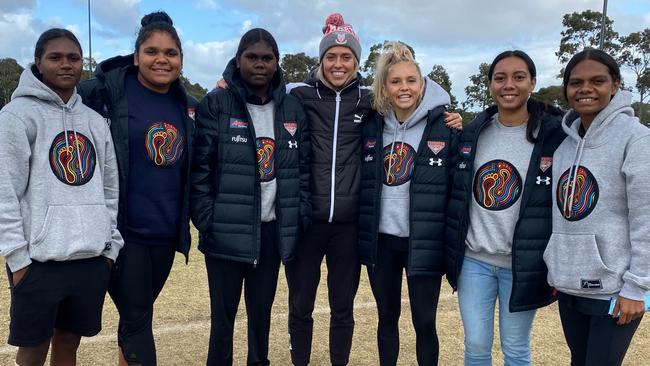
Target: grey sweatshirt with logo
[(600, 244), (402, 142), (59, 181)]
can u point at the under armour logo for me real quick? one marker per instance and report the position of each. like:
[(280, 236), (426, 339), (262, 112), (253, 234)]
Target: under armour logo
[(462, 165), (293, 144), (545, 180), (358, 118), (438, 162)]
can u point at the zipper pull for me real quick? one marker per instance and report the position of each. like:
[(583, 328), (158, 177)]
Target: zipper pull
[(338, 97), (254, 263)]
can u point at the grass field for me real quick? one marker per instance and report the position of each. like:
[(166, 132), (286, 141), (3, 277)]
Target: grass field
[(182, 324)]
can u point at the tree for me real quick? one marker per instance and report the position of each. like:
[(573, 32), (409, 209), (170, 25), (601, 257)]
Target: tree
[(10, 72), (440, 76), (478, 92), (642, 109), (296, 68), (369, 66), (582, 30), (88, 63), (635, 56), (553, 95), (195, 90)]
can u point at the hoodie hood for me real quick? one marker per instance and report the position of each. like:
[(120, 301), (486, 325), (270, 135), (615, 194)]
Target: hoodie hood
[(434, 96), (597, 132), (30, 85), (399, 154), (233, 78)]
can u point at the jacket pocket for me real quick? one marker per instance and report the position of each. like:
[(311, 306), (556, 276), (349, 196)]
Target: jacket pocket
[(72, 232), (575, 265)]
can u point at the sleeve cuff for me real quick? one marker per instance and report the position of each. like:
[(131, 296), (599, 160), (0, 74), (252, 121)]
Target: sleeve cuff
[(632, 292), (18, 259)]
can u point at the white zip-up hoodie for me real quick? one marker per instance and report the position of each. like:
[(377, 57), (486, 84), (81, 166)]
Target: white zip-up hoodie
[(59, 181), (600, 244)]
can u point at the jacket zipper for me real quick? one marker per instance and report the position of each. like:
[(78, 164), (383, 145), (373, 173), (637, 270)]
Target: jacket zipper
[(334, 144)]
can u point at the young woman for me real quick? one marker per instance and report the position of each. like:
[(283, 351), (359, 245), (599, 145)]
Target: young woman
[(599, 253), (404, 186), (152, 127), (250, 192), (58, 231), (499, 215)]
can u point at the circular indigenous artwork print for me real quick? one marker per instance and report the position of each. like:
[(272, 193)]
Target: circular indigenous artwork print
[(164, 144), (399, 165), (72, 158), (497, 185), (585, 194), (266, 158)]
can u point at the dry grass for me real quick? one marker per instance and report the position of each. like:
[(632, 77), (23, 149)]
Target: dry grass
[(183, 317)]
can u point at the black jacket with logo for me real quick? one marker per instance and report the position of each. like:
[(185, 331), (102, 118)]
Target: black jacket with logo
[(335, 122), (105, 93), (533, 228), (429, 192), (226, 193)]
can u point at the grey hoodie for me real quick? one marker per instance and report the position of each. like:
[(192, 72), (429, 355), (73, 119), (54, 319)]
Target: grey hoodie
[(59, 183), (600, 244), (401, 142)]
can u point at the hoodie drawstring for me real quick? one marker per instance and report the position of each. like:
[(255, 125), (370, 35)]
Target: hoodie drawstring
[(67, 142), (572, 180)]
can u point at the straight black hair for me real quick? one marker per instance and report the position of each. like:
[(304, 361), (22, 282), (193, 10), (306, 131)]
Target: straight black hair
[(51, 34), (256, 35), (533, 122), (514, 53), (591, 54), (158, 21)]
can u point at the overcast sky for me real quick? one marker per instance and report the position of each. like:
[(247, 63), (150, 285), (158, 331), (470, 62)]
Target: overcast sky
[(457, 34)]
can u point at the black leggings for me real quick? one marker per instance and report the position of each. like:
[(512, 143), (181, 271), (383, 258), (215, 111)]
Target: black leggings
[(338, 242), (138, 277), (225, 280), (386, 283), (591, 333)]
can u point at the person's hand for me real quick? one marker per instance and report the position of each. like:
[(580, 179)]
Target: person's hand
[(627, 310), (453, 120), (17, 276), (221, 84)]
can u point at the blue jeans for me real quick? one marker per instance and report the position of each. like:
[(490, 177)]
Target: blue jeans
[(479, 285)]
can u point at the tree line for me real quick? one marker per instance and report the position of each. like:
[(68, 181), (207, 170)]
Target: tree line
[(581, 30)]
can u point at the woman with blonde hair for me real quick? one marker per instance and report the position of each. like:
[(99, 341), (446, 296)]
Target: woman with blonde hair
[(404, 187)]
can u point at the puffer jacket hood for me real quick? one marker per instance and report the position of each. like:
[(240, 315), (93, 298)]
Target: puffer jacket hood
[(235, 82)]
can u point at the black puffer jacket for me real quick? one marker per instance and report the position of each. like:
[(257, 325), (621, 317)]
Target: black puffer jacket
[(335, 121), (533, 229), (226, 192), (429, 190), (105, 93)]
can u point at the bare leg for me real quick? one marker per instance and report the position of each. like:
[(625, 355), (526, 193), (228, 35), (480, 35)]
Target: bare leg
[(64, 348), (32, 356)]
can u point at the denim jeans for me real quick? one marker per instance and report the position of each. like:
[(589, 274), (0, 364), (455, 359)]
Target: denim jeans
[(479, 285)]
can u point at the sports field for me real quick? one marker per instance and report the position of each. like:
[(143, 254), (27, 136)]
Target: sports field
[(182, 324)]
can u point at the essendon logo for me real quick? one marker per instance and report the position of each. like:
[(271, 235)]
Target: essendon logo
[(436, 146), (191, 112), (545, 162), (291, 127), (237, 123)]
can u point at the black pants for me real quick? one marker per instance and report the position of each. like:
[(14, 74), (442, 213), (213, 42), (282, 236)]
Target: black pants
[(225, 279), (386, 284), (592, 334), (337, 241), (138, 277)]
